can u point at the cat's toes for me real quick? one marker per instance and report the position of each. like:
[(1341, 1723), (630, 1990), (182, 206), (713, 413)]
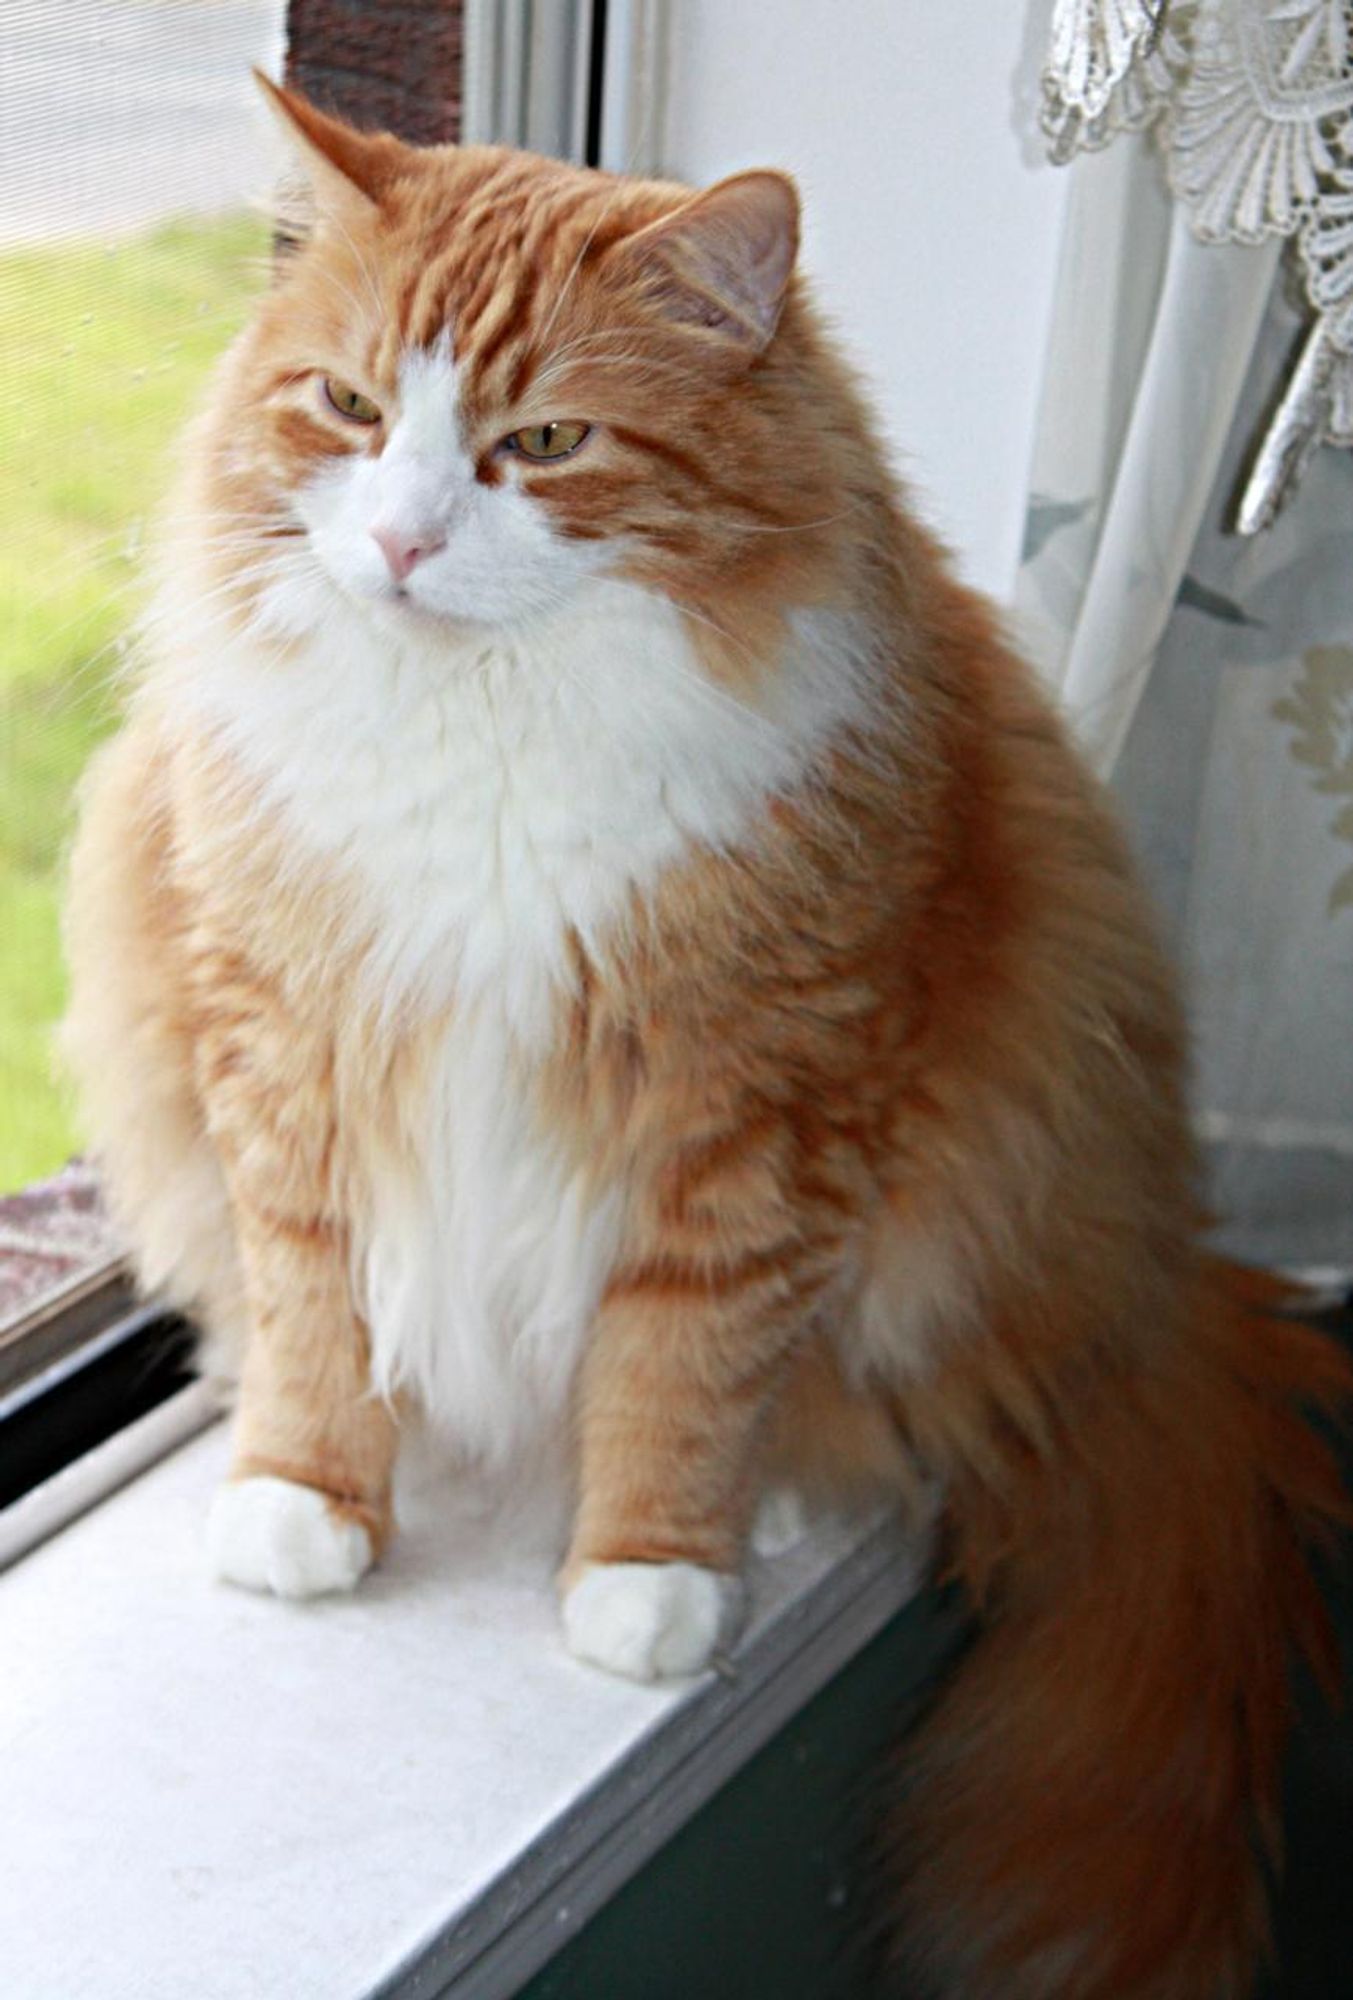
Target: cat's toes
[(782, 1521), (271, 1534), (650, 1621)]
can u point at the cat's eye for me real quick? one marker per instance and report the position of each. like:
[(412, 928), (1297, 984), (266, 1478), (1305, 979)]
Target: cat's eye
[(555, 440), (350, 403)]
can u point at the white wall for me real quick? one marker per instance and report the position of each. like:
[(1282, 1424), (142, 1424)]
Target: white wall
[(932, 224)]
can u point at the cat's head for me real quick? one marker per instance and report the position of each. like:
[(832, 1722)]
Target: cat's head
[(484, 378)]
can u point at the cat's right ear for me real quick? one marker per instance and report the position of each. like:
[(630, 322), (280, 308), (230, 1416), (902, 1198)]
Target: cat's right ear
[(344, 169), (721, 262)]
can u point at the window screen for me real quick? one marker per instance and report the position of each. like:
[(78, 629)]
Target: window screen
[(133, 157)]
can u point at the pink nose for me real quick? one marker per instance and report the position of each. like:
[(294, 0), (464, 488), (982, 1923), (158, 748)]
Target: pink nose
[(403, 552)]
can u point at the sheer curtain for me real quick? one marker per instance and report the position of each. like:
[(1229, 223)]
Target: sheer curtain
[(1199, 362)]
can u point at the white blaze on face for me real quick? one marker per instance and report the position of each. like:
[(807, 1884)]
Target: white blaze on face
[(493, 558)]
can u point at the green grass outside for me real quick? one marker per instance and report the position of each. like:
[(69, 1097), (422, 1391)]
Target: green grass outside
[(103, 349)]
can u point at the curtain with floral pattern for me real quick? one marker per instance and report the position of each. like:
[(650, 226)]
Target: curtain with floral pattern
[(1188, 567)]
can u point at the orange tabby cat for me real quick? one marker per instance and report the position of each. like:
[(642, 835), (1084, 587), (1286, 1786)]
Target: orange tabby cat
[(588, 930)]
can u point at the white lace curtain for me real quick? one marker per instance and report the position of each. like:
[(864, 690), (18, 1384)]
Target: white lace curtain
[(1188, 574)]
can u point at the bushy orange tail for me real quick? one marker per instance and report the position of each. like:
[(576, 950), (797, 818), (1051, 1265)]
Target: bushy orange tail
[(1091, 1811)]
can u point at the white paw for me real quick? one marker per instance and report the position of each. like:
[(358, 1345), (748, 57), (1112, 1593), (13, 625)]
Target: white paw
[(782, 1521), (270, 1534), (650, 1620)]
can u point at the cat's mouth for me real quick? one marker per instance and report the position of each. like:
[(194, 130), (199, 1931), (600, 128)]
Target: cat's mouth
[(396, 608), (386, 595), (400, 605)]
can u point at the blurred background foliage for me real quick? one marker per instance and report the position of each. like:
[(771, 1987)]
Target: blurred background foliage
[(103, 352)]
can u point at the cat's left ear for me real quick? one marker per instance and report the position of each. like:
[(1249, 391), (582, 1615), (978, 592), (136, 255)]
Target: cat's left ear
[(723, 260), (345, 168)]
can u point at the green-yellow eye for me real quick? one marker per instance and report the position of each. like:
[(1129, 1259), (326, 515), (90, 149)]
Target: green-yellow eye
[(555, 440), (350, 403)]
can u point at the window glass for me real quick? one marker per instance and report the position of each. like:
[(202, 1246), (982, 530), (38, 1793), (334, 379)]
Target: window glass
[(133, 161)]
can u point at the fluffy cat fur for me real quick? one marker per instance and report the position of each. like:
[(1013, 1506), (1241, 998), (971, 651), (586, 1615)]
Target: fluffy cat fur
[(614, 949)]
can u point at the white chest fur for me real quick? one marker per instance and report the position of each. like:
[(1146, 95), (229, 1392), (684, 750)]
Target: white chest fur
[(487, 796), (485, 1257), (484, 799)]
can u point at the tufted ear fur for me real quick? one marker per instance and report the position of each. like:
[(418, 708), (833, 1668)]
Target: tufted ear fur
[(723, 260), (344, 168)]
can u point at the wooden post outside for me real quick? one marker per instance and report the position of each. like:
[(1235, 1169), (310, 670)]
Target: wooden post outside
[(394, 64)]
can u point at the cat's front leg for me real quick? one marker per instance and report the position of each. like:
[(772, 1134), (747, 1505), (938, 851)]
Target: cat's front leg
[(307, 1507), (686, 1360)]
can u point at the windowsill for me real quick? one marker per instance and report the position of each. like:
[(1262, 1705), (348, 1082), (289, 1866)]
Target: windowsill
[(54, 1242), (412, 1792)]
